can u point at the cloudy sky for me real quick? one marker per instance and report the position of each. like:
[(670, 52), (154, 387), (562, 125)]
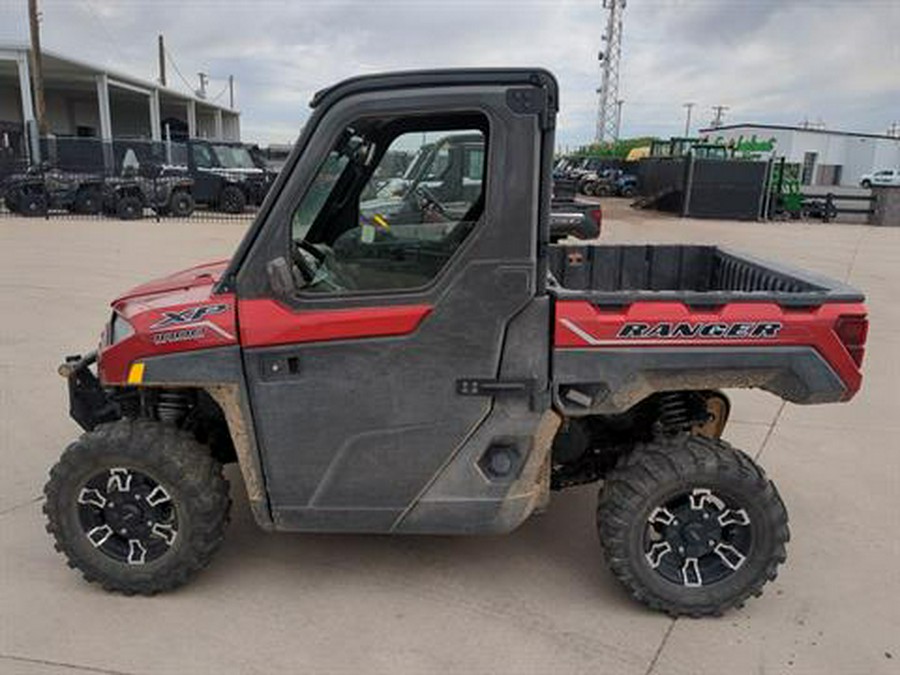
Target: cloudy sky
[(770, 61)]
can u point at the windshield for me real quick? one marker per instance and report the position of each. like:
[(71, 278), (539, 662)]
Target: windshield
[(234, 157)]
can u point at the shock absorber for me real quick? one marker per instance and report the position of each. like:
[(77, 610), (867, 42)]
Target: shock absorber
[(172, 406), (674, 412)]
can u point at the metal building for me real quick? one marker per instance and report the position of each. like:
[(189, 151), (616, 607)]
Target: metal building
[(825, 157), (91, 101)]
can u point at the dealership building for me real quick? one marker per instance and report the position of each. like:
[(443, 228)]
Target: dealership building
[(825, 157), (90, 101)]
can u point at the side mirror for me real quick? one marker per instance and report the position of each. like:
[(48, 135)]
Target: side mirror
[(281, 278)]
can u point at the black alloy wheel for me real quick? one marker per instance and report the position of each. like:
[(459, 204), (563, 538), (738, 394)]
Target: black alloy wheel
[(691, 526), (129, 207), (33, 203), (88, 202), (127, 515), (138, 506), (696, 538), (232, 199), (181, 204)]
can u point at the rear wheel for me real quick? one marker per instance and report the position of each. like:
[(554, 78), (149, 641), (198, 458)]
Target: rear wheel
[(232, 199), (32, 203), (137, 506), (866, 184), (88, 201), (129, 207), (691, 525)]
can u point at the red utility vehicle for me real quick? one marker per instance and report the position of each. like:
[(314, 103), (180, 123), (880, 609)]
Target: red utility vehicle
[(435, 365)]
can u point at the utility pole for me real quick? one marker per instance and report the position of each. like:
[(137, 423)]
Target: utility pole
[(162, 60), (37, 67), (687, 119), (231, 91), (609, 66), (720, 115)]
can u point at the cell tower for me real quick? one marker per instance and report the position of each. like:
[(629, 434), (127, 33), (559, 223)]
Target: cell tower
[(607, 113)]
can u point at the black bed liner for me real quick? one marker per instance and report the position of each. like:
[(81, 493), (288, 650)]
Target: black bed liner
[(693, 274)]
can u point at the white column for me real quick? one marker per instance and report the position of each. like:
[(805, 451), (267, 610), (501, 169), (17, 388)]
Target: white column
[(28, 121), (220, 133), (105, 121), (192, 118), (155, 124), (103, 105)]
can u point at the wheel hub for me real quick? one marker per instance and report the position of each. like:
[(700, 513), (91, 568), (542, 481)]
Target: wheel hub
[(697, 538), (127, 515)]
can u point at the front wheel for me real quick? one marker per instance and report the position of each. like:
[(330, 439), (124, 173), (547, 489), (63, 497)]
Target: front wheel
[(137, 506), (691, 526), (232, 199), (866, 184), (181, 205)]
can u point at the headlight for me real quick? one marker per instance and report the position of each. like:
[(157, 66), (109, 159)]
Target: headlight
[(119, 329)]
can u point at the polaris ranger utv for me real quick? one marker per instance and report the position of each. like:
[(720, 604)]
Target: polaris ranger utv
[(446, 379)]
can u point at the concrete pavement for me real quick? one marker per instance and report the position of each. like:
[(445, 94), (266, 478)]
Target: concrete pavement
[(539, 600)]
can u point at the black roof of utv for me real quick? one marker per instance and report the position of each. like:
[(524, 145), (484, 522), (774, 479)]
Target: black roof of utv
[(411, 79), (437, 78)]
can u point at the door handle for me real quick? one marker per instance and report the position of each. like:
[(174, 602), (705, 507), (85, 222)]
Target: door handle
[(279, 367)]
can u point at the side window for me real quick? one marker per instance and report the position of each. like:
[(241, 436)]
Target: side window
[(202, 156), (365, 226)]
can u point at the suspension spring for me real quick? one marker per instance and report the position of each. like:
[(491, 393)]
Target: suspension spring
[(172, 406), (674, 412)]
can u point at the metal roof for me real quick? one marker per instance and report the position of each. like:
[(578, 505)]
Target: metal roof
[(778, 127), (125, 78)]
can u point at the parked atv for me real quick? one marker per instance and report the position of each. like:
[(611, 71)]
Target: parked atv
[(226, 176), (166, 191), (43, 188), (626, 185)]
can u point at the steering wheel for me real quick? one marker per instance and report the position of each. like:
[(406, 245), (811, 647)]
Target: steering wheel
[(312, 250), (428, 200)]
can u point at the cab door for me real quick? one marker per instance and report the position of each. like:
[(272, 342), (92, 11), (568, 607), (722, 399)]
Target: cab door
[(370, 374)]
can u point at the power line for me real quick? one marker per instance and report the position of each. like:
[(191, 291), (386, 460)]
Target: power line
[(178, 71), (109, 36), (219, 95)]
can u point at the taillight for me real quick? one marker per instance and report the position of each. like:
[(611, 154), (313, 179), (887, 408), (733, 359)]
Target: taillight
[(597, 216), (852, 331)]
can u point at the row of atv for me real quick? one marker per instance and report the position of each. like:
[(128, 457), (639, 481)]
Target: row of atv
[(167, 191), (590, 178)]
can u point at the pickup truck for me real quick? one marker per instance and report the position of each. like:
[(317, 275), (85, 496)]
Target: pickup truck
[(447, 372)]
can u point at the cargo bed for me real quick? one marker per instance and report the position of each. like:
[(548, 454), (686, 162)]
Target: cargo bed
[(693, 274)]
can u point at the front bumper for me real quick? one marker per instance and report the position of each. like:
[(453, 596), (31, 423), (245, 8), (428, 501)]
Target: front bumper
[(89, 404)]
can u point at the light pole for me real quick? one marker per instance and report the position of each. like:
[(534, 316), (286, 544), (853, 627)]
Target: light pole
[(687, 119)]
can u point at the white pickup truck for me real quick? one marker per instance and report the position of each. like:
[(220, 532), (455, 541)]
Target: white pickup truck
[(883, 177)]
